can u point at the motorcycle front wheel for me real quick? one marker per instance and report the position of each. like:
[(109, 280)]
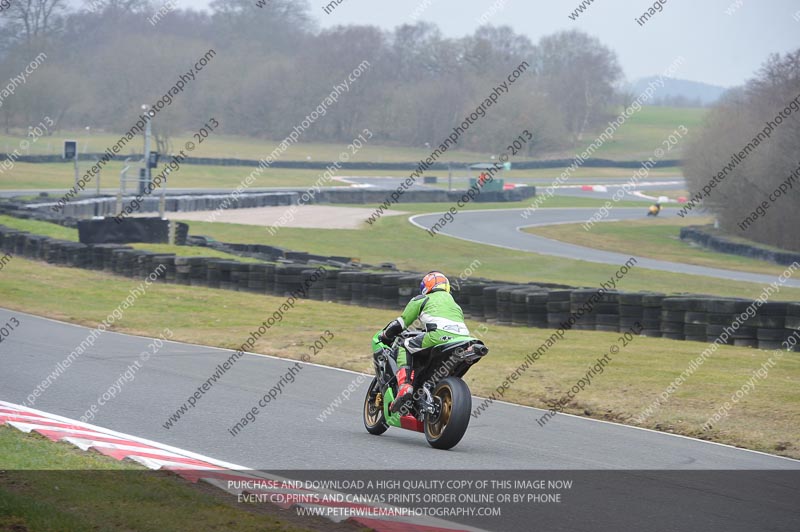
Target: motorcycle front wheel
[(374, 421), (453, 400)]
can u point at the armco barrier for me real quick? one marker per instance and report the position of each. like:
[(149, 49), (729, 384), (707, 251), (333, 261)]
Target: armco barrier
[(686, 316), (322, 165), (104, 206), (363, 196), (701, 235), (107, 206)]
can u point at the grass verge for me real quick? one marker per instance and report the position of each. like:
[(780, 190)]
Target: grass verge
[(654, 238), (67, 233), (640, 135), (766, 419), (440, 253), (56, 487), (37, 176), (396, 240)]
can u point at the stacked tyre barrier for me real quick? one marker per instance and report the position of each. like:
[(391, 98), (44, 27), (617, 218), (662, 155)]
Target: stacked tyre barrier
[(329, 288), (793, 325), (770, 321), (313, 290), (344, 287), (743, 332), (407, 288), (490, 302), (673, 314), (474, 297), (519, 307), (651, 314), (631, 311), (704, 237), (358, 290), (607, 316), (256, 281), (536, 303), (586, 320), (107, 206), (692, 317), (558, 309), (503, 305)]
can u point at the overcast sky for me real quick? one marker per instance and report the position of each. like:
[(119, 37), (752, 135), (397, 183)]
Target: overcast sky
[(718, 48)]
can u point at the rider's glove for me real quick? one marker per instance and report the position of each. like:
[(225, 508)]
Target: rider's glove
[(391, 331)]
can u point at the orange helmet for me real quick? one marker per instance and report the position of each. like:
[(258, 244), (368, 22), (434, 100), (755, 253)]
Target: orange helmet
[(434, 281)]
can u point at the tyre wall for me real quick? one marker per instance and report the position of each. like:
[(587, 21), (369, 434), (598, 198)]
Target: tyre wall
[(680, 317)]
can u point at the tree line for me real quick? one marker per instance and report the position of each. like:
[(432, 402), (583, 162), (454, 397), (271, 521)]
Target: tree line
[(749, 142), (273, 66)]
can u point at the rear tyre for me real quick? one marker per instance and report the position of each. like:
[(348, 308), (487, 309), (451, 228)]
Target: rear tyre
[(374, 421), (454, 403)]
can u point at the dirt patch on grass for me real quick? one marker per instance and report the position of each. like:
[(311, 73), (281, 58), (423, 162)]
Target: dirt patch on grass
[(306, 216)]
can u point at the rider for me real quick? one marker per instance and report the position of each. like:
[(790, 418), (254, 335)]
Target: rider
[(655, 209), (441, 317)]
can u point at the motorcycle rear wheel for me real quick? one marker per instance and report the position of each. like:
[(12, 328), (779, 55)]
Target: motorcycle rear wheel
[(454, 401), (374, 421)]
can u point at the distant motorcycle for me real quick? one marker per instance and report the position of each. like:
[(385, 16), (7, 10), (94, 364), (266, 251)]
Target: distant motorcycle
[(654, 210), (441, 402)]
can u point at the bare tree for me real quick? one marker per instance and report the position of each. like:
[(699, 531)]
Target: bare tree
[(745, 200), (36, 19), (579, 75)]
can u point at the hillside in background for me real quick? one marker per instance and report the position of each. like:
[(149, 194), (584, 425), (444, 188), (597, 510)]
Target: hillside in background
[(680, 92)]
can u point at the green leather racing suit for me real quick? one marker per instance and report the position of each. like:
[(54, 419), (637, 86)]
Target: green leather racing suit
[(441, 318)]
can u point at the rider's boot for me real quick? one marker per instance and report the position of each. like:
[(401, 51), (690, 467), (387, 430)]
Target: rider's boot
[(404, 388)]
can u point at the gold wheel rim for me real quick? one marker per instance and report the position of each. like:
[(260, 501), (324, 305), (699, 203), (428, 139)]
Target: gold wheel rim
[(373, 410), (446, 397)]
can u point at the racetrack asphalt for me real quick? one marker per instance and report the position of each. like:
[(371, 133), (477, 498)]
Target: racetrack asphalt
[(287, 435), (642, 493), (502, 228)]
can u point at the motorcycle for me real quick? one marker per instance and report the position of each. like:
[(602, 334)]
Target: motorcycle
[(654, 210), (441, 402)]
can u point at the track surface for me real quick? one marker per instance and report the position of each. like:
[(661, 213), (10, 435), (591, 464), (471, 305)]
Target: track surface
[(287, 434), (613, 185), (501, 228)]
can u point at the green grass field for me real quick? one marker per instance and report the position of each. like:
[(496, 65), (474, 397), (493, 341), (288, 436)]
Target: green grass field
[(29, 176), (643, 132), (237, 147), (395, 239), (26, 176), (545, 176), (46, 486), (636, 139), (658, 239), (553, 202), (766, 419), (391, 238), (67, 233)]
